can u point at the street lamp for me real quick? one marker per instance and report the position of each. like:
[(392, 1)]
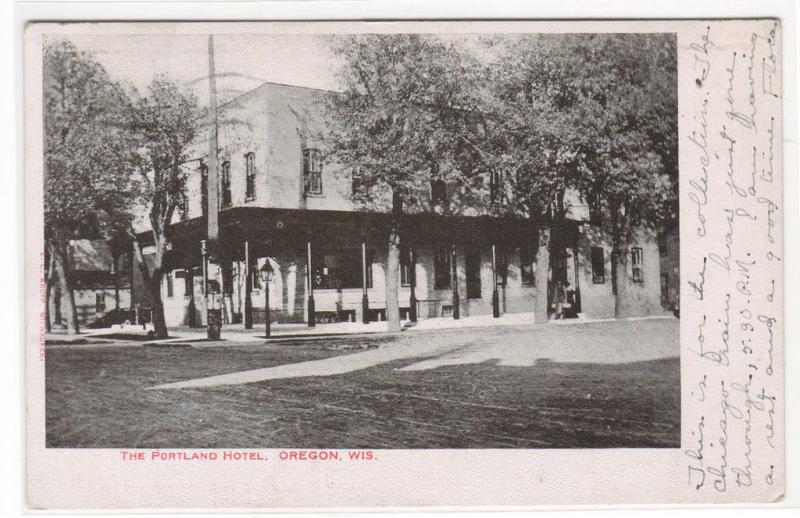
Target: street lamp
[(266, 273)]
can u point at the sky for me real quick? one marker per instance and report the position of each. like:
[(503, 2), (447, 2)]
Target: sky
[(242, 61)]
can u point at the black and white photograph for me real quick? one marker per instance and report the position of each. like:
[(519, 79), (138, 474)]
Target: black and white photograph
[(361, 241)]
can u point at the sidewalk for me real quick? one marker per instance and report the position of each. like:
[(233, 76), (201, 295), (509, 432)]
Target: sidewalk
[(236, 333)]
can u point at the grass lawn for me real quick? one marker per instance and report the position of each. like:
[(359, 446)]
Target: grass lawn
[(95, 399)]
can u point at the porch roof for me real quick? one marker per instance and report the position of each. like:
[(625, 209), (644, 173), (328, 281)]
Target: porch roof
[(266, 228)]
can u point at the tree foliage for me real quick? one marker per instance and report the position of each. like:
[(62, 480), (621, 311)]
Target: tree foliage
[(89, 156), (406, 116), (166, 121)]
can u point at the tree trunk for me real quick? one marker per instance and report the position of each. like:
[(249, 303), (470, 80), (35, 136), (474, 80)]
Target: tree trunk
[(159, 322), (152, 281), (61, 264), (49, 283), (619, 265), (392, 281), (542, 274), (48, 287), (115, 273), (392, 272)]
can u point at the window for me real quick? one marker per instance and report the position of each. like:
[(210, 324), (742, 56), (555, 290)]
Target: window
[(188, 283), (662, 244), (340, 269), (204, 187), (526, 266), (636, 264), (595, 209), (406, 266), (598, 265), (183, 207), (438, 192), (250, 176), (441, 269), (665, 289), (170, 285), (255, 277), (312, 171), (496, 188), (473, 266), (501, 265), (226, 185), (100, 302)]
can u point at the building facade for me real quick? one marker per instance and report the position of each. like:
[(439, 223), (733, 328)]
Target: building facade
[(101, 285), (279, 202)]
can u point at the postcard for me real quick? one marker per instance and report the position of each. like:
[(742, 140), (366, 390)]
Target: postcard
[(428, 264)]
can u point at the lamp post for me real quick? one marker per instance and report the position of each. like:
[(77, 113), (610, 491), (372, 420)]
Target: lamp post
[(267, 273)]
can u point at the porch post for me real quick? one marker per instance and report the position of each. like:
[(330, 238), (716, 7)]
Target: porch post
[(456, 301), (495, 295), (312, 317), (248, 287), (364, 296), (188, 285), (204, 254), (412, 299)]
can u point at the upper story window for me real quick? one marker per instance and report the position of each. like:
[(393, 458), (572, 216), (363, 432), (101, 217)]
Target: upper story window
[(204, 187), (636, 264), (250, 176), (183, 206), (438, 193), (225, 202), (595, 209), (496, 188), (312, 171), (662, 244)]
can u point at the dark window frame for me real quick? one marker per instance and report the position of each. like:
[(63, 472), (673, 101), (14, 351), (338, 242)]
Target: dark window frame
[(496, 192), (598, 260), (203, 188), (226, 199), (170, 285), (595, 209), (250, 176), (663, 251), (442, 269), (526, 258), (100, 302), (637, 267), (439, 193), (312, 172), (472, 271), (406, 265), (501, 265), (347, 274)]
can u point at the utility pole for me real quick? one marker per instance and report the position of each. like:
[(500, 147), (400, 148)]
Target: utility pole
[(213, 315)]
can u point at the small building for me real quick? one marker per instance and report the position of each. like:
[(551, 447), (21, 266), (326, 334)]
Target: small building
[(101, 283), (280, 202)]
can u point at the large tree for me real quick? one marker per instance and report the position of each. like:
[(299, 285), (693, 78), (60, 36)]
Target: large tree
[(533, 143), (166, 120), (628, 120), (88, 159), (403, 119), (588, 113)]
